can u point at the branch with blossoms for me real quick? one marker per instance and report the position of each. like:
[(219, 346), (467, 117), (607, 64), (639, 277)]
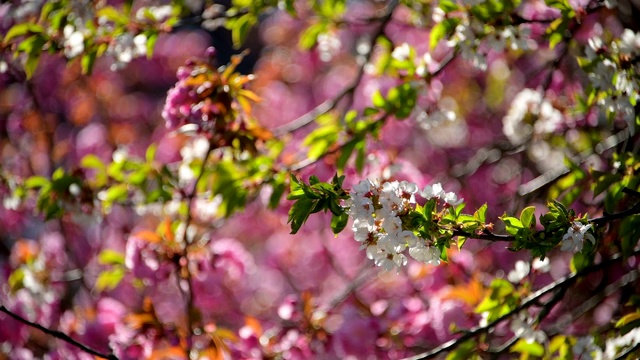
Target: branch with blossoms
[(557, 287), (389, 222)]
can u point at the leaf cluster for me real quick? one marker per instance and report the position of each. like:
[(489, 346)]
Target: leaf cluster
[(314, 197)]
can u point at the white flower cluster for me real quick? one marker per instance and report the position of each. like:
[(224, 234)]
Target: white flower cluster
[(467, 38), (616, 74), (617, 345), (329, 45), (529, 107), (126, 47), (471, 34), (515, 38), (194, 151), (445, 110), (73, 41), (573, 240), (522, 327), (377, 210), (154, 13), (402, 52)]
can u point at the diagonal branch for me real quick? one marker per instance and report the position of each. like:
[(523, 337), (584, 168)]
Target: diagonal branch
[(57, 334), (560, 285), (330, 104)]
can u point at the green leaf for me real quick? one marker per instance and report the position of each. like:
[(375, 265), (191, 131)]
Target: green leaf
[(524, 347), (36, 182), (463, 351), (627, 319), (22, 29), (361, 157), (91, 161), (378, 100), (557, 342), (109, 280), (339, 222), (441, 31), (580, 261), (299, 213), (16, 278), (448, 5), (240, 29), (116, 193), (151, 43), (87, 62), (512, 224), (527, 217), (309, 37), (150, 154), (47, 8), (31, 64), (112, 14), (480, 214), (345, 154), (629, 234), (320, 140), (110, 257), (288, 5)]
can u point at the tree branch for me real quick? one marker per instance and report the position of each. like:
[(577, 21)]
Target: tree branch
[(529, 301), (57, 334), (330, 104)]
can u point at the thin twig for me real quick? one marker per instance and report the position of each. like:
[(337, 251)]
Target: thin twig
[(57, 334), (330, 104), (189, 294), (529, 301)]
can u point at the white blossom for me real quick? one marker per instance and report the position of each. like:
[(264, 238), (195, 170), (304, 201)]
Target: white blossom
[(402, 52), (377, 212), (436, 191), (11, 202), (431, 191), (522, 327), (73, 42), (328, 46), (541, 265), (521, 271), (573, 240), (196, 149), (126, 47), (615, 345), (529, 114), (159, 13), (425, 254), (629, 43)]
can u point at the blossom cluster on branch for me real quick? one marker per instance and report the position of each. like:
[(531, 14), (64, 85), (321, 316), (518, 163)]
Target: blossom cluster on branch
[(158, 201)]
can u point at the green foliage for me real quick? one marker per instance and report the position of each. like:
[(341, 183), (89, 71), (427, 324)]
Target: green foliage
[(399, 101), (502, 299), (53, 193), (47, 32), (558, 28), (571, 186), (465, 351), (561, 347), (115, 272), (324, 136), (628, 322), (240, 27), (315, 197), (494, 11)]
